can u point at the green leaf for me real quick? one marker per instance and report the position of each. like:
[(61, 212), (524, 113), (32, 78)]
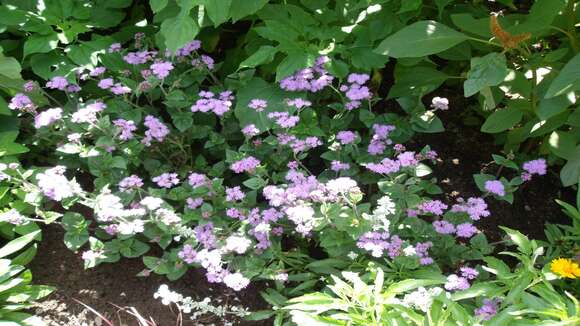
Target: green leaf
[(502, 120), (243, 8), (157, 5), (489, 70), (179, 31), (18, 243), (571, 170), (9, 67), (265, 54), (40, 44), (568, 80), (294, 62), (218, 10), (519, 239), (420, 39), (562, 144), (258, 88), (549, 107)]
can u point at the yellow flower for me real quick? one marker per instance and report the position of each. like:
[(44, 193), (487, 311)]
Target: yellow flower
[(565, 267)]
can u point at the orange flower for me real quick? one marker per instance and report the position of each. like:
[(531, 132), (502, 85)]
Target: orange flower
[(507, 40)]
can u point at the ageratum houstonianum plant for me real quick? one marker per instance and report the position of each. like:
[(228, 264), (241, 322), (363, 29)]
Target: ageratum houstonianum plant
[(240, 176)]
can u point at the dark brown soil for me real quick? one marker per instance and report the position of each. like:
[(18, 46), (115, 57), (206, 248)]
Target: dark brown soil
[(107, 285), (464, 151)]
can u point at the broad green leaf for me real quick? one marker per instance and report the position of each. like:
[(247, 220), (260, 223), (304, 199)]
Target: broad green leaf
[(562, 144), (549, 107), (260, 89), (179, 31), (420, 39), (243, 8), (489, 70), (571, 170), (502, 120), (265, 54), (157, 5), (40, 44), (417, 81), (568, 80), (541, 16), (9, 67), (218, 10), (294, 62)]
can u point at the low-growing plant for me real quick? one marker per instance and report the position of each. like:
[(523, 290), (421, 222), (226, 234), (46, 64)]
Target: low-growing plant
[(498, 295)]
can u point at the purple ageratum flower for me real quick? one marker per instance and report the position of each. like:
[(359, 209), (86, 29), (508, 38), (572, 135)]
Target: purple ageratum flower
[(313, 79), (299, 103), (538, 167), (166, 180), (469, 273), (120, 89), (258, 104), (248, 164), (197, 180), (374, 242), (130, 182), (495, 187), (475, 207), (488, 309), (73, 88), (29, 86), (455, 282), (188, 48), (443, 227), (126, 127), (88, 114), (376, 147), (208, 102), (97, 71), (156, 130), (187, 254), (194, 203), (250, 130), (139, 57), (204, 235), (346, 137), (284, 119), (407, 159), (21, 102), (422, 251), (465, 230), (161, 69), (360, 79), (115, 47), (382, 132), (387, 166), (106, 83), (48, 117), (434, 207), (57, 82), (339, 166), (440, 103), (234, 194)]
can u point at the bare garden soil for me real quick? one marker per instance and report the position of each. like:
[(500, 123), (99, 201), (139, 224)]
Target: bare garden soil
[(463, 151)]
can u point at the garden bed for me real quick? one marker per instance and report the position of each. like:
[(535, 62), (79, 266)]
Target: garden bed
[(463, 151)]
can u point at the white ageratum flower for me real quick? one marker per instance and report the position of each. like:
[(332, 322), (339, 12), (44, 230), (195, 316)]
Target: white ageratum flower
[(237, 244), (168, 216), (55, 185), (13, 217), (236, 281), (410, 251), (167, 296), (209, 258), (440, 103), (107, 206), (341, 185), (151, 203), (352, 255), (131, 227), (422, 298)]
